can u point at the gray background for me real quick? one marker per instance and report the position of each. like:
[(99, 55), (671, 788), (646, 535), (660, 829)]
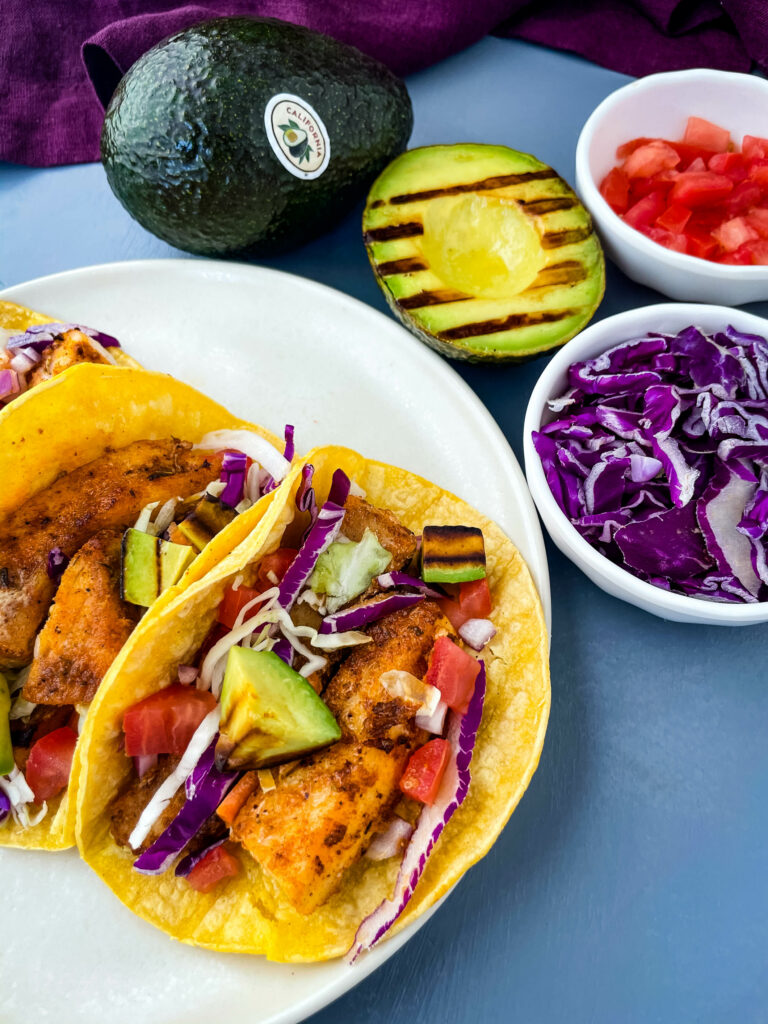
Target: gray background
[(630, 884)]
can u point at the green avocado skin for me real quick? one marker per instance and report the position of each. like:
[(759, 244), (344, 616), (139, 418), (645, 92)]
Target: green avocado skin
[(186, 152)]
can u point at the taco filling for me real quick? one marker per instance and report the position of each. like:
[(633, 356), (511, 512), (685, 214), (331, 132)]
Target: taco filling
[(330, 714), (46, 350), (81, 561)]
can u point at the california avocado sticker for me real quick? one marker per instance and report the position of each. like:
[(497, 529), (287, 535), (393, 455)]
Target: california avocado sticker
[(297, 135)]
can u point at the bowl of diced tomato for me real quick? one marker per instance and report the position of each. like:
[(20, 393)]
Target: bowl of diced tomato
[(674, 170)]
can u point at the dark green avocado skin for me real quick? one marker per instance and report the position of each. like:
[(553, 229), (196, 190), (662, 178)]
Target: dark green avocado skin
[(186, 152)]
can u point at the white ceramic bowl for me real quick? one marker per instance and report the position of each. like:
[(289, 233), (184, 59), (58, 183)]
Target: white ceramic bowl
[(668, 318), (659, 106)]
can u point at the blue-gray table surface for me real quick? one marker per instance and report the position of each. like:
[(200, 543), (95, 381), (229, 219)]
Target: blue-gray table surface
[(630, 885)]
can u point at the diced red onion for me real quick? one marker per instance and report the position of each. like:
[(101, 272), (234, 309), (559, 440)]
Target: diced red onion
[(434, 723), (56, 563), (143, 762), (205, 788), (391, 841), (9, 383), (187, 673), (21, 362), (462, 733), (362, 615), (477, 633), (402, 579)]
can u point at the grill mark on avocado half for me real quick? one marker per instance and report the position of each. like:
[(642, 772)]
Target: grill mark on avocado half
[(484, 185), (552, 204), (568, 272), (390, 232), (438, 297), (408, 265), (568, 236), (507, 323)]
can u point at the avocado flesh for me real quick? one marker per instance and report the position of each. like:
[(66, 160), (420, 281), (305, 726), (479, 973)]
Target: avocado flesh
[(186, 152), (207, 519), (269, 713), (485, 253), (6, 745), (150, 565)]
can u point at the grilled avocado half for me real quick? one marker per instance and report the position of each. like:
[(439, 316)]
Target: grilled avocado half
[(485, 253)]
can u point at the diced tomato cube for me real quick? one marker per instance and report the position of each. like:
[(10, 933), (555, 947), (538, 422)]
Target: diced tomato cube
[(452, 611), (688, 153), (758, 219), (669, 239), (753, 147), (645, 212), (615, 189), (740, 258), (744, 196), (701, 188), (626, 148), (475, 599), (233, 602), (424, 771), (164, 722), (648, 160), (697, 165), (733, 233), (453, 672), (50, 762), (215, 866), (674, 218), (732, 165), (759, 251), (699, 132), (759, 174), (274, 566), (701, 244)]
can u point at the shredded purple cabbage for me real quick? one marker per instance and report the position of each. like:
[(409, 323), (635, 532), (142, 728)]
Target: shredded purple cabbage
[(40, 336), (658, 455), (363, 614), (462, 733), (205, 788), (185, 865), (233, 474), (270, 483), (5, 806), (340, 485)]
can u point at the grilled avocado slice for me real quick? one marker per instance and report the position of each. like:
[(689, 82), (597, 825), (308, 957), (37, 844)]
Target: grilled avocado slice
[(6, 745), (269, 713), (150, 565), (485, 253)]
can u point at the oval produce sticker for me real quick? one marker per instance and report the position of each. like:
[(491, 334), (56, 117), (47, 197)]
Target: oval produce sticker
[(297, 135)]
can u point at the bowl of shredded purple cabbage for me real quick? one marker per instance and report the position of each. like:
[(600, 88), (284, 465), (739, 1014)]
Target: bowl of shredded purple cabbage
[(646, 451)]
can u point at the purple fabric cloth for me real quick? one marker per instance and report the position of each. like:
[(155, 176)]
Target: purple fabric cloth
[(50, 113)]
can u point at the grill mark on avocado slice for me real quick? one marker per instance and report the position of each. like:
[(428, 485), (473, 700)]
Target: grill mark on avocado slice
[(485, 185), (506, 323), (554, 239), (567, 272), (548, 205), (409, 229), (434, 298), (408, 265)]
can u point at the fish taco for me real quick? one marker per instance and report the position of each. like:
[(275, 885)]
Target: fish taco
[(120, 488), (35, 347), (308, 747)]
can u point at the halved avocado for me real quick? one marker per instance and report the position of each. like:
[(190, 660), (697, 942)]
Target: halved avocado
[(485, 253)]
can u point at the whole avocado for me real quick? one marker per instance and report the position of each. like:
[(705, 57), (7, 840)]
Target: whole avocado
[(188, 152)]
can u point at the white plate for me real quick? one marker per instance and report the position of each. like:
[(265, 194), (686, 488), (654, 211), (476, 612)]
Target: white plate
[(273, 348)]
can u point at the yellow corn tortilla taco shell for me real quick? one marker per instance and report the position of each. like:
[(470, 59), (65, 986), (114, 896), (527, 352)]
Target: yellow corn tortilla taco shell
[(66, 422), (18, 318), (248, 914)]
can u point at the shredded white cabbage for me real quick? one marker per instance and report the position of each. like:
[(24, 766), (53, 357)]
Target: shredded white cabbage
[(256, 447), (201, 740), (21, 708), (215, 488), (17, 683), (356, 489), (16, 788), (144, 516), (164, 517), (243, 506), (252, 489), (82, 712)]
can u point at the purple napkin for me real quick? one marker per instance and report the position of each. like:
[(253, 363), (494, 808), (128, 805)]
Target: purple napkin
[(50, 112)]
